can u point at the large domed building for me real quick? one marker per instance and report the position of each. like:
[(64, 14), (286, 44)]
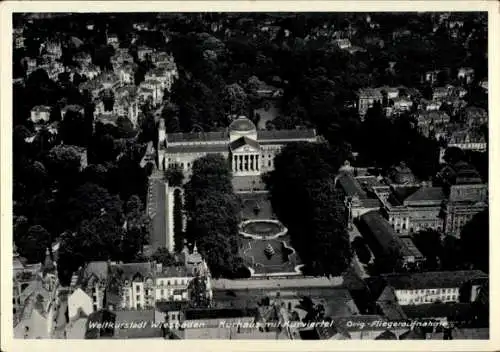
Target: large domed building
[(250, 151)]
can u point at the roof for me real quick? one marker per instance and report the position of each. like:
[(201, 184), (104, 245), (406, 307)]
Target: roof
[(240, 142), (172, 306), (210, 313), (300, 282), (242, 124), (435, 279), (132, 269), (173, 271), (146, 317), (97, 269), (369, 93), (264, 135), (41, 108), (351, 186), (197, 137), (426, 194), (377, 228), (203, 148), (438, 310)]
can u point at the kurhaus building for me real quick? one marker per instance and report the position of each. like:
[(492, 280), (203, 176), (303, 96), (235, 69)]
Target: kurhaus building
[(250, 151)]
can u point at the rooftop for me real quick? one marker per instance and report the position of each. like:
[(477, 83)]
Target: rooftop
[(426, 194), (270, 283), (197, 137), (438, 310), (242, 124), (240, 142), (204, 148), (435, 279), (264, 135)]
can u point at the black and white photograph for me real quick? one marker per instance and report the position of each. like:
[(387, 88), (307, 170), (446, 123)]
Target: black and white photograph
[(217, 175)]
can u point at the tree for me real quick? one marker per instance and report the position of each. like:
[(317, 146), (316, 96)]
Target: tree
[(33, 245), (213, 213), (174, 176), (235, 100), (72, 129), (198, 292), (125, 127), (362, 251), (313, 213), (163, 256), (453, 155), (63, 164), (178, 221), (430, 245), (91, 201), (474, 240)]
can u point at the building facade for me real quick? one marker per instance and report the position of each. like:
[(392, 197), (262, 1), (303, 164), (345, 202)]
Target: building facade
[(250, 152)]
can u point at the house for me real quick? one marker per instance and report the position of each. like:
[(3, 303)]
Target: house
[(465, 139), (432, 76), (83, 58), (441, 93), (436, 286), (136, 324), (429, 121), (121, 56), (466, 74), (126, 73), (475, 116), (164, 76), (384, 242), (143, 52), (342, 43), (36, 301), (113, 40), (367, 97), (88, 283), (484, 84), (151, 90), (73, 108), (40, 113), (79, 302)]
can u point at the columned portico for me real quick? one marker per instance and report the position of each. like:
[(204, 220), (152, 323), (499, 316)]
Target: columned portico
[(246, 163)]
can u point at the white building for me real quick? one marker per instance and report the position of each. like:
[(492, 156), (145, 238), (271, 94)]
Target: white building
[(40, 113), (430, 287), (250, 151), (79, 301)]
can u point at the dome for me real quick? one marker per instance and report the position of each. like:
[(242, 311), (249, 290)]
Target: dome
[(242, 124), (402, 174)]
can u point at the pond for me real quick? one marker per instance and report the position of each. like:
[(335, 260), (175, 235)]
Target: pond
[(262, 228)]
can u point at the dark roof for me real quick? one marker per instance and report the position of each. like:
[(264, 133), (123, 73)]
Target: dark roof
[(197, 137), (438, 310), (100, 316), (426, 194), (244, 141), (242, 124), (387, 335), (199, 314), (375, 227), (204, 148), (264, 135), (435, 279), (351, 186), (130, 270), (173, 306), (146, 317)]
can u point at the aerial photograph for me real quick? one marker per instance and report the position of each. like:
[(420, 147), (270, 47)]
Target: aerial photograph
[(250, 175)]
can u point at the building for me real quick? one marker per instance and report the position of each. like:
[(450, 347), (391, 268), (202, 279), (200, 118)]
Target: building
[(430, 121), (40, 113), (164, 76), (385, 242), (465, 139), (465, 201), (136, 286), (250, 151), (151, 90), (466, 74), (475, 116), (436, 286), (342, 43), (35, 300), (126, 74), (88, 285), (113, 40), (73, 108), (143, 52), (357, 198), (367, 97)]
